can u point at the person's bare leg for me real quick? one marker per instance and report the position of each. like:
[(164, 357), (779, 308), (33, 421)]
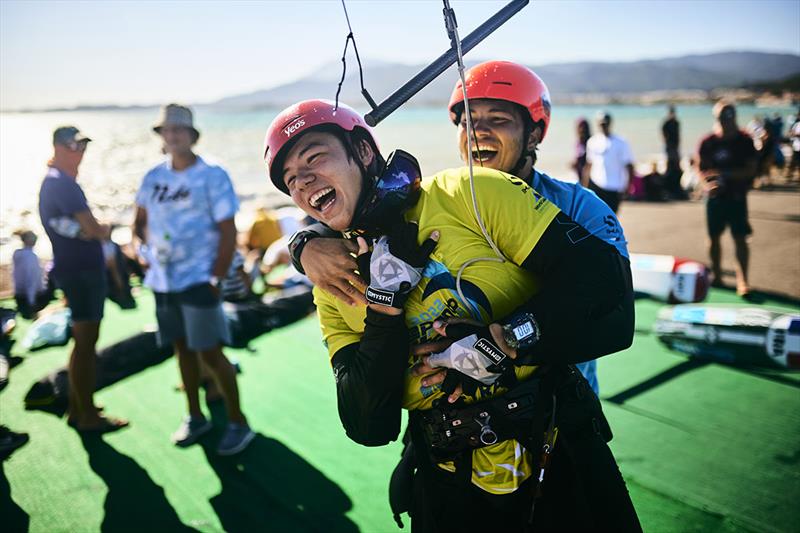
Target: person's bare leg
[(190, 374), (742, 264), (111, 266), (82, 378), (209, 382), (81, 371), (715, 253), (225, 375), (73, 411)]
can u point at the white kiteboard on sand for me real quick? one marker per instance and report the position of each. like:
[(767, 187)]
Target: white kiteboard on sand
[(670, 279), (733, 333)]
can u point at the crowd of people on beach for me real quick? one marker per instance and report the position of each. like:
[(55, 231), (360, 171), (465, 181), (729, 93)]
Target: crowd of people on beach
[(183, 225), (670, 178), (382, 248)]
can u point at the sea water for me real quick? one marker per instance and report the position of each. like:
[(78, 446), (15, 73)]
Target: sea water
[(124, 147)]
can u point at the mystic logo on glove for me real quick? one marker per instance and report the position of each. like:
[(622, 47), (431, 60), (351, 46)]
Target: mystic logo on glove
[(474, 355), (488, 348), (394, 267), (377, 296)]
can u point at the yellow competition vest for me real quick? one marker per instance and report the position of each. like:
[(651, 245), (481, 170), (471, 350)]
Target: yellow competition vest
[(515, 216)]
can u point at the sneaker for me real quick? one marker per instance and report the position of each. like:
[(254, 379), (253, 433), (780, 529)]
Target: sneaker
[(235, 439), (10, 441), (190, 430)]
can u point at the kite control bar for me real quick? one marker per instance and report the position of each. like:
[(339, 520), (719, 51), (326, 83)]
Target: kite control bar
[(432, 71)]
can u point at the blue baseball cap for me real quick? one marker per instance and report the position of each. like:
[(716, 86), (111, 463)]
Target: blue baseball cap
[(67, 135)]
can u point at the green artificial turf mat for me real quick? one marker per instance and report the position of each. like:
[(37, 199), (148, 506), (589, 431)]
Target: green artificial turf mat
[(703, 447)]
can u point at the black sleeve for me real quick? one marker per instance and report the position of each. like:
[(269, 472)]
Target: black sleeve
[(370, 378), (585, 308), (300, 239)]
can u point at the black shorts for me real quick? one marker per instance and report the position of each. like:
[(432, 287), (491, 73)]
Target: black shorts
[(611, 198), (724, 212), (86, 294)]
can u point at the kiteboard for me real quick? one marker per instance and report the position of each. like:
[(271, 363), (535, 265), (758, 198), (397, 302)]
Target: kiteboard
[(670, 279), (737, 334)]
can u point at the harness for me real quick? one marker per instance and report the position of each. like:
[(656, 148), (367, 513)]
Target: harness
[(527, 412), (452, 429)]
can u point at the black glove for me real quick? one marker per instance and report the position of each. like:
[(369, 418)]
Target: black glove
[(394, 267)]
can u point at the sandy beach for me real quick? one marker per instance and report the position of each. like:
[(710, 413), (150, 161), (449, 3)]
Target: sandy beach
[(679, 228)]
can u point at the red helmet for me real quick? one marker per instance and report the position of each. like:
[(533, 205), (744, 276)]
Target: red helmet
[(296, 119), (504, 80)]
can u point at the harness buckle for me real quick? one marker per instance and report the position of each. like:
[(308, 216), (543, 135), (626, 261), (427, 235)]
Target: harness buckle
[(488, 436)]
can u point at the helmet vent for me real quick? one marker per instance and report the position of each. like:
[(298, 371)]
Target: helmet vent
[(502, 83)]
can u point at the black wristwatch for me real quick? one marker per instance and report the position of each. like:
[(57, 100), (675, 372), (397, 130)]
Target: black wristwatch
[(521, 331), (296, 245)]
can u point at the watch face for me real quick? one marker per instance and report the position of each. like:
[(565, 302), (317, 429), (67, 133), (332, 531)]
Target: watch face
[(523, 331)]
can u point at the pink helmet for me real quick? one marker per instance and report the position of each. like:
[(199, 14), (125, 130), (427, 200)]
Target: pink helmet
[(298, 118)]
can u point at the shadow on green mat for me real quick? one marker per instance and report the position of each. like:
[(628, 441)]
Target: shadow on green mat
[(12, 516), (269, 487), (771, 374), (134, 502)]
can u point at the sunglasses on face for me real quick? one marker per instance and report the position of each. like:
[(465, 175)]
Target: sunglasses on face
[(79, 146)]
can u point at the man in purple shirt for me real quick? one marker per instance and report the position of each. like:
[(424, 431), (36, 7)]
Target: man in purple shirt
[(79, 270)]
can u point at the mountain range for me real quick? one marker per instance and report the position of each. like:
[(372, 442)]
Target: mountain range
[(686, 73)]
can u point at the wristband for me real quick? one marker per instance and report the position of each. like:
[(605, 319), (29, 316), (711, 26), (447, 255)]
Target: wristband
[(296, 245)]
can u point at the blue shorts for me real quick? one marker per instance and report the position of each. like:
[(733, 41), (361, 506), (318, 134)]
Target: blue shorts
[(86, 294), (194, 314)]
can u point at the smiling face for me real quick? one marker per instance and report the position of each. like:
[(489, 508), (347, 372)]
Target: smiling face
[(499, 129), (322, 180)]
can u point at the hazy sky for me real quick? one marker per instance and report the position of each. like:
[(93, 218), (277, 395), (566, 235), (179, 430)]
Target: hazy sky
[(95, 52)]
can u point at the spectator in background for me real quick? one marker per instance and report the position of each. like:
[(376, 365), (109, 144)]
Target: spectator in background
[(609, 163), (671, 131), (793, 168), (79, 270), (690, 180), (584, 133), (185, 211), (654, 186), (765, 142), (777, 132), (728, 163), (29, 290), (264, 231)]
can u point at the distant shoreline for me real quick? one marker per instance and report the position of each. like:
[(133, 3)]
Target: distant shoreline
[(688, 96)]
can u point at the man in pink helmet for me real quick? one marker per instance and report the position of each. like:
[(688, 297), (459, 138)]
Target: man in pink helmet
[(555, 277)]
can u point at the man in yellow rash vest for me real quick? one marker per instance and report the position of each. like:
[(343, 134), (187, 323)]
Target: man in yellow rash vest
[(327, 160)]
